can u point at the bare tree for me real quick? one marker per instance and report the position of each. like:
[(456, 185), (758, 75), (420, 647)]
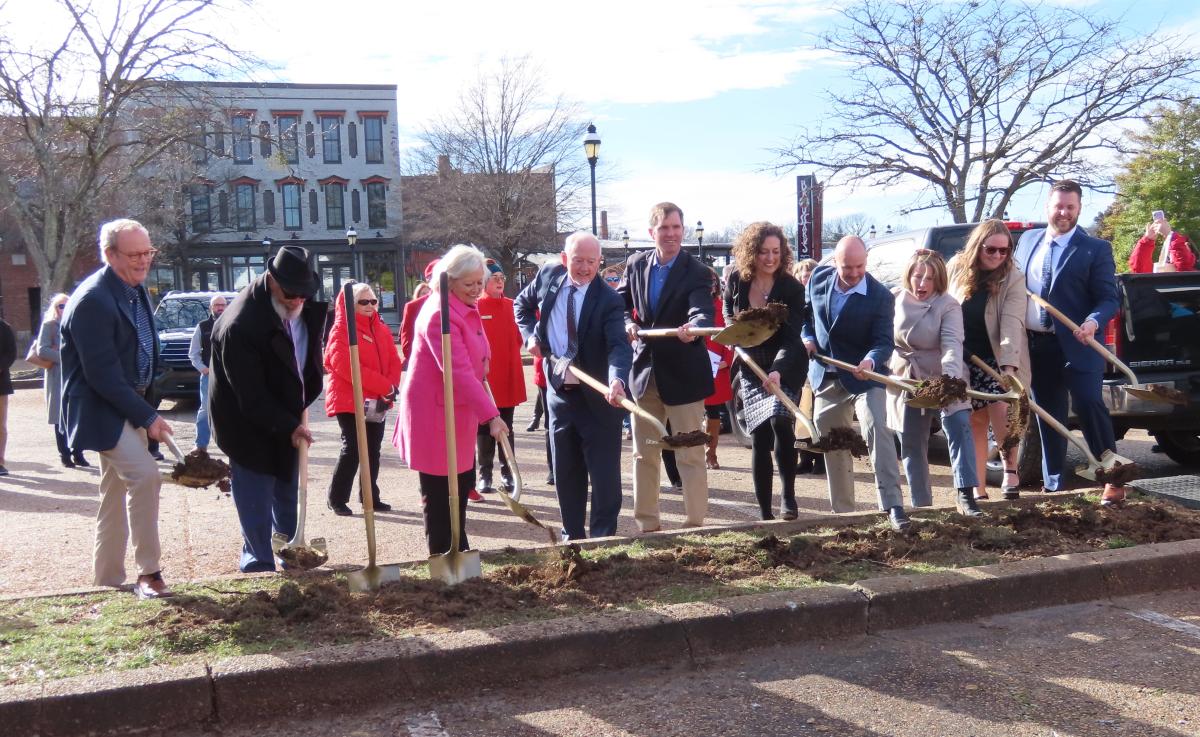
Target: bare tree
[(856, 223), (503, 170), (979, 100), (79, 130)]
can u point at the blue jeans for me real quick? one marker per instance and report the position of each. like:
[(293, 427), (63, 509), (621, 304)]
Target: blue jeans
[(265, 504), (202, 431), (914, 451)]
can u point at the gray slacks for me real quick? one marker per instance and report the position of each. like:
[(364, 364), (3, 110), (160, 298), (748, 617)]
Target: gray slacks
[(833, 406)]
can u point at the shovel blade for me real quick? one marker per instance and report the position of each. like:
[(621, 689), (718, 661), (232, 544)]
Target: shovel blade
[(279, 541), (455, 567), (1088, 471), (371, 578), (319, 544), (806, 444), (745, 334), (1147, 395)]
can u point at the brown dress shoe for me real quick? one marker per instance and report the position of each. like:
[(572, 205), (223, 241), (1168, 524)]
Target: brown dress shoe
[(1112, 495), (152, 586)]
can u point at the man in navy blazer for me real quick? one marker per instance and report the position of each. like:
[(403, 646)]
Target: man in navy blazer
[(851, 320), (585, 428), (109, 351), (1076, 273), (666, 288)]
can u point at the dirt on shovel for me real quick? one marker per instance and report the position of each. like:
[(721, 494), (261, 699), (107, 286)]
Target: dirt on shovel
[(944, 390), (774, 314), (842, 438), (200, 470)]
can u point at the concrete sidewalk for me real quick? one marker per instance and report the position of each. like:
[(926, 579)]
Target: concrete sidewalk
[(48, 512)]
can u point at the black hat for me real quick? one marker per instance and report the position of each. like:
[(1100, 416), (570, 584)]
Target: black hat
[(290, 270)]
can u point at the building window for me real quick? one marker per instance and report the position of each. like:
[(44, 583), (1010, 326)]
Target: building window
[(373, 133), (245, 269), (289, 133), (223, 208), (242, 152), (268, 207), (291, 206), (355, 206), (200, 147), (376, 205), (310, 141), (331, 139), (219, 141), (352, 139), (312, 206), (245, 206), (264, 139), (335, 206), (201, 209)]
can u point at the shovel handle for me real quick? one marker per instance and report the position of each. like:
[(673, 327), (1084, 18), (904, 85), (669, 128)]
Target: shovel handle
[(787, 401), (672, 332), (1092, 342), (881, 378), (302, 485), (506, 449), (170, 441), (360, 425), (451, 434), (626, 402)]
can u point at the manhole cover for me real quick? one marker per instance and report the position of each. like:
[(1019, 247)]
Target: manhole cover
[(1183, 490)]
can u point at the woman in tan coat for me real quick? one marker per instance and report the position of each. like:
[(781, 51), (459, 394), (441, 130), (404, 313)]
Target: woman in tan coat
[(929, 343), (991, 290)]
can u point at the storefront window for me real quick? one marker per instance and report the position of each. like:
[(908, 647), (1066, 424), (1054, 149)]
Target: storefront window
[(159, 281), (244, 269), (379, 270)]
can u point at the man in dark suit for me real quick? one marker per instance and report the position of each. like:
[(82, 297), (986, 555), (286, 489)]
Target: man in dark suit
[(851, 320), (667, 288), (1076, 273), (108, 353), (266, 370), (582, 325)]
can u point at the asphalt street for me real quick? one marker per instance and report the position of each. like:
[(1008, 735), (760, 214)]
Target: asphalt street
[(1123, 667)]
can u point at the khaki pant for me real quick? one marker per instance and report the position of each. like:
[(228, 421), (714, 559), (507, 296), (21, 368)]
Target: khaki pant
[(129, 486), (647, 463), (806, 407)]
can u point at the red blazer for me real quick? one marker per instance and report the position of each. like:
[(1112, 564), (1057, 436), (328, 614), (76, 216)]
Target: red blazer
[(505, 375), (378, 359), (411, 308), (1141, 259), (722, 391)]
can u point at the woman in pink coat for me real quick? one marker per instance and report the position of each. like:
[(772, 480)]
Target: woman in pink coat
[(421, 430)]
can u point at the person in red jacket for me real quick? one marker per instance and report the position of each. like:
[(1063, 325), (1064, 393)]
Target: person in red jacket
[(505, 374), (409, 319), (722, 389), (380, 368), (1179, 253)]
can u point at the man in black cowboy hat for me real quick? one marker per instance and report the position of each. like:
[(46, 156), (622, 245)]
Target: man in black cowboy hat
[(266, 369)]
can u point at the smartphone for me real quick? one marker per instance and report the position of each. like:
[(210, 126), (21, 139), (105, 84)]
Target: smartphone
[(1158, 215)]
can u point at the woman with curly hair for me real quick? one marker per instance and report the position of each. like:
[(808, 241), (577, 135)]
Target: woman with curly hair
[(763, 275), (991, 289)]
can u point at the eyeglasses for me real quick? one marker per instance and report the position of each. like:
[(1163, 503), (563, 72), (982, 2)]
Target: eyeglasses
[(138, 255), (996, 250), (61, 306), (288, 295), (365, 302)]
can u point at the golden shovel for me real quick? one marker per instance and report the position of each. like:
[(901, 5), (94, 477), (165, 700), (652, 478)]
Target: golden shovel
[(812, 445), (678, 440), (1148, 392), (749, 328), (294, 552), (514, 500)]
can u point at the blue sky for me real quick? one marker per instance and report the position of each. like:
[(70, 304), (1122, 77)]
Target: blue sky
[(687, 95)]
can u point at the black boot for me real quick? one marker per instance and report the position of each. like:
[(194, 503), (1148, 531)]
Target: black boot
[(66, 461), (79, 460), (966, 503), (485, 453)]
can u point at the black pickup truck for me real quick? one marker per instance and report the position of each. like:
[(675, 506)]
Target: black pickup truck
[(1156, 332)]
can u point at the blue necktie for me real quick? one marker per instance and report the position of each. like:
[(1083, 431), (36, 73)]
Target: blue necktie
[(145, 334), (572, 330), (1047, 276)]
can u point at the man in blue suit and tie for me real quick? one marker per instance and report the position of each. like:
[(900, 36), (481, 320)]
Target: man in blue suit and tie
[(1076, 273), (582, 324), (852, 321), (109, 349)]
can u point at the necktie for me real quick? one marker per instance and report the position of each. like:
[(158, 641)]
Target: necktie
[(572, 331), (1047, 276), (145, 334)]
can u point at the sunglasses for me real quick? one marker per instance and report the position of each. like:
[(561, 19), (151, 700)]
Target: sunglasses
[(612, 279), (288, 295), (996, 250), (365, 302)]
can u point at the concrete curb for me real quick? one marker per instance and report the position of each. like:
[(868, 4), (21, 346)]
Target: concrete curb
[(246, 689)]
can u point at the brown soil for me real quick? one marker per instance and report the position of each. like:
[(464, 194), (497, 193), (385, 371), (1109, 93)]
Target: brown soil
[(774, 314), (1119, 475), (842, 438), (200, 470), (687, 439), (1017, 420), (1171, 395), (945, 390), (316, 609), (302, 557)]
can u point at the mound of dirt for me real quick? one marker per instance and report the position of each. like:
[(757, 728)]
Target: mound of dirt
[(200, 470), (1174, 396), (944, 390), (773, 314), (1017, 420), (687, 439), (302, 557), (315, 609)]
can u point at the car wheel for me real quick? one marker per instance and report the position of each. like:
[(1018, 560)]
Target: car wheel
[(1180, 446), (737, 420)]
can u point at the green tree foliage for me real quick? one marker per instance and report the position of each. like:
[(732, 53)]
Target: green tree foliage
[(1164, 175)]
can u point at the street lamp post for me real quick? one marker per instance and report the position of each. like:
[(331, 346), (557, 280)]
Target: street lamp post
[(700, 239), (591, 148), (352, 239), (625, 242)]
